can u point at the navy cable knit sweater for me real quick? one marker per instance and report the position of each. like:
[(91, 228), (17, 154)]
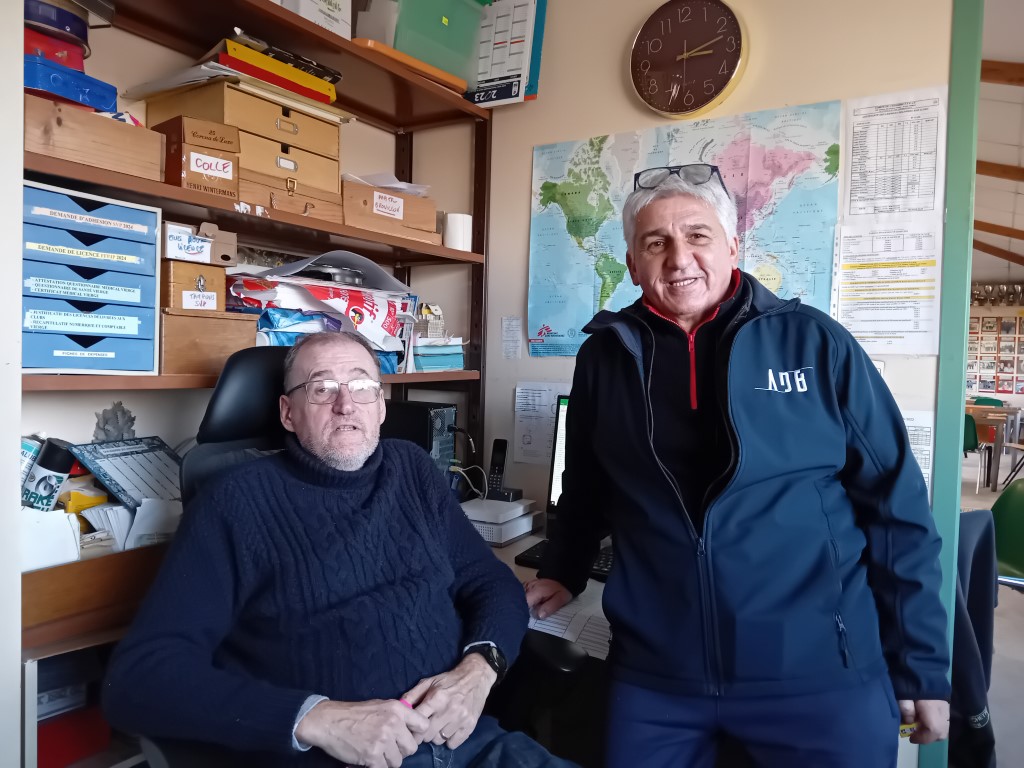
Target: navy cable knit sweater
[(289, 578)]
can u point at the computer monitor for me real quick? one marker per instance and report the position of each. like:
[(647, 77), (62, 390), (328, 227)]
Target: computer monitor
[(557, 458)]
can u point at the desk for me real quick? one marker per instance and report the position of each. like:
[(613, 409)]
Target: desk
[(1004, 419)]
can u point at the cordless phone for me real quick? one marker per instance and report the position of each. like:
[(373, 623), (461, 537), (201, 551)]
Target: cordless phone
[(496, 475)]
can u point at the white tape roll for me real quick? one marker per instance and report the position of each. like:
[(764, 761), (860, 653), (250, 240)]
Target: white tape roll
[(458, 231)]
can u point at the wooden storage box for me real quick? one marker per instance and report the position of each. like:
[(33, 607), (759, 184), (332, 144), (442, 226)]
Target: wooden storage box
[(284, 161), (190, 285), (273, 194), (226, 103), (201, 155), (383, 210), (199, 342), (59, 130)]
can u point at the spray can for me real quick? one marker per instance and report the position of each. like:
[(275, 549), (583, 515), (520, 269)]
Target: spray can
[(47, 475), (30, 445)]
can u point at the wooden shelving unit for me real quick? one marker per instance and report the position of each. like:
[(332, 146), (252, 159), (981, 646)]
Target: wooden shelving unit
[(299, 232), (85, 383)]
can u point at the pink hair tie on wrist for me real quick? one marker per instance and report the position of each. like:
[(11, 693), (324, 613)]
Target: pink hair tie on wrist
[(406, 703)]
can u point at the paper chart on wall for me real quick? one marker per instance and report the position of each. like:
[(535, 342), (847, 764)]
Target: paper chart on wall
[(536, 406), (889, 284), (896, 164), (921, 430)]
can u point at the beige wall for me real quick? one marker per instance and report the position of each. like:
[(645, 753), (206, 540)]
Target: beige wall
[(802, 51)]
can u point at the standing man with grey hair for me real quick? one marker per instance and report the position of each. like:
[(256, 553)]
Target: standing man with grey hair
[(776, 570), (328, 604)]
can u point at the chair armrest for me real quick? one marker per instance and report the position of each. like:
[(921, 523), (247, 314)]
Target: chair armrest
[(554, 653)]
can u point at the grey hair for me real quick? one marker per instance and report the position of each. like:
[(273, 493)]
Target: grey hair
[(327, 337), (711, 193)]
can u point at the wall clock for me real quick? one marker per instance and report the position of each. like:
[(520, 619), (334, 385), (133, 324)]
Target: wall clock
[(688, 56)]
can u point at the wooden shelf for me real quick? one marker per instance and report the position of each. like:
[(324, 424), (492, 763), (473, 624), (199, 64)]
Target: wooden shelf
[(291, 231), (71, 382), (374, 88)]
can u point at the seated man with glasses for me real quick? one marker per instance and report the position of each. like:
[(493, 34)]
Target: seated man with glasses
[(776, 573), (331, 596)]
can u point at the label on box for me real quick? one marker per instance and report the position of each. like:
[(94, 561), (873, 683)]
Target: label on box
[(77, 290), (184, 246), (388, 205), (82, 353), (198, 300), (82, 253), (211, 166), (80, 322), (95, 221)]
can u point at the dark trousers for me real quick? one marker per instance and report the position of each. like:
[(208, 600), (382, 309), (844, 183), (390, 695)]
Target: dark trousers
[(488, 747), (852, 728)]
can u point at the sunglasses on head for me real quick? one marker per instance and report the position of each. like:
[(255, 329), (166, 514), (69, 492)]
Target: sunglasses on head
[(695, 173)]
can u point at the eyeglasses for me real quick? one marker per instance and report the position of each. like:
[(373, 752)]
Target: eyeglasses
[(326, 391), (695, 173)]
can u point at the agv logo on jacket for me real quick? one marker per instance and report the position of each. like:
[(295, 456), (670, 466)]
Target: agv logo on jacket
[(785, 382)]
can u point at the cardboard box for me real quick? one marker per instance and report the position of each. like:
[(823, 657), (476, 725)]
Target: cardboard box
[(283, 161), (201, 156), (181, 243), (184, 285), (224, 103), (200, 133), (382, 210), (225, 244), (332, 15), (273, 194), (70, 133), (200, 342)]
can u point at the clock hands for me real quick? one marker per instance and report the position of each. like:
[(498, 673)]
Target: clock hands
[(698, 51)]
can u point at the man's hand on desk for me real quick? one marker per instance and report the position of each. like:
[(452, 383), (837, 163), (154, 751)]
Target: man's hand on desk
[(545, 596), (453, 701), (375, 734)]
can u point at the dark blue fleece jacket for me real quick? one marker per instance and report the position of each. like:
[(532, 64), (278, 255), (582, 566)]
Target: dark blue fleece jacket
[(815, 564)]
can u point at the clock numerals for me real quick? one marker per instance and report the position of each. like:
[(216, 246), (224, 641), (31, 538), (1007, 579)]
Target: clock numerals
[(666, 26), (723, 25), (653, 45), (684, 14), (730, 46), (709, 87), (725, 68)]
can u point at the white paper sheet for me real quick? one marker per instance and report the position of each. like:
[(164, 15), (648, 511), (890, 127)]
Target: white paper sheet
[(582, 621), (889, 285), (512, 337), (506, 42), (896, 146), (921, 429), (536, 405)]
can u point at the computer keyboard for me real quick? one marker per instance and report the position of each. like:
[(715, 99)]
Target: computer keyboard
[(531, 557)]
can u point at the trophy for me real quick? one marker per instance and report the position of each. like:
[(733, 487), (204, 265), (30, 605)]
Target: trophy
[(990, 294), (1002, 290)]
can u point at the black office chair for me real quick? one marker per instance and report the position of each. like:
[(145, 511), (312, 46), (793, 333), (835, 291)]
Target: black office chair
[(242, 422)]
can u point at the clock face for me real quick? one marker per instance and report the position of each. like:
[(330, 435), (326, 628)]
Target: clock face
[(686, 56)]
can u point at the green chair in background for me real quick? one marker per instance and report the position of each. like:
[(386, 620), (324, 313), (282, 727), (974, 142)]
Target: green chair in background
[(994, 401), (971, 445), (1008, 517)]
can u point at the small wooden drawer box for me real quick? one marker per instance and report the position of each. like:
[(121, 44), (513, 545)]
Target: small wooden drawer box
[(189, 285), (199, 342)]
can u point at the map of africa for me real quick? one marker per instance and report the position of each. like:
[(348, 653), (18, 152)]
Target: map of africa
[(780, 165)]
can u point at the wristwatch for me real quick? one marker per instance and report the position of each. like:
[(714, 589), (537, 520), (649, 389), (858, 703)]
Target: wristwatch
[(495, 658)]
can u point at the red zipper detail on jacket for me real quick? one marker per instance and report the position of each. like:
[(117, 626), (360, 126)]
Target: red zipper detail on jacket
[(734, 284)]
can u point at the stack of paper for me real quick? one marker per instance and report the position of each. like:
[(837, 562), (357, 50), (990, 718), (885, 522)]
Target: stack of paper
[(444, 354), (116, 519), (154, 522)]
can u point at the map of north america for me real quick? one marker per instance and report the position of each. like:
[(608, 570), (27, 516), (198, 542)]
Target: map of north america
[(781, 166)]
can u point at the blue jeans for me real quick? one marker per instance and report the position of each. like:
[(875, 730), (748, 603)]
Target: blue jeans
[(852, 728), (488, 747)]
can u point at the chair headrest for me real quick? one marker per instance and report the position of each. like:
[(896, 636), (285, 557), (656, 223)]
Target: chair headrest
[(244, 404)]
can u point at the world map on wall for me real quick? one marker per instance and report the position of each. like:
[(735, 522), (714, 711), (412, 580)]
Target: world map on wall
[(781, 166)]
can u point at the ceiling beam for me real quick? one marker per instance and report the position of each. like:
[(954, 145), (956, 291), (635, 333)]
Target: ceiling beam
[(1000, 171), (1002, 72), (999, 229), (1001, 253)]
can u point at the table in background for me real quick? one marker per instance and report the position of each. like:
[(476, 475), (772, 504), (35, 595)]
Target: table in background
[(1004, 419)]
